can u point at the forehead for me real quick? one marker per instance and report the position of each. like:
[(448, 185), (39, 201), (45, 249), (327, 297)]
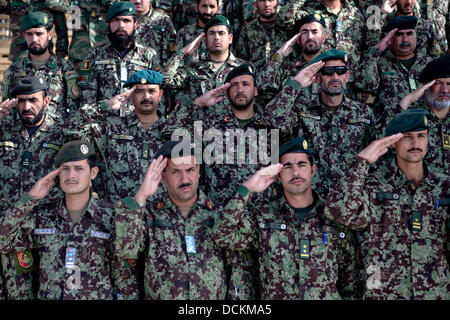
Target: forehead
[(36, 30), (242, 78), (181, 163), (442, 80), (334, 63), (294, 157), (141, 1), (77, 163), (401, 32), (140, 86), (122, 18), (415, 133), (29, 96), (218, 29), (208, 2), (310, 26)]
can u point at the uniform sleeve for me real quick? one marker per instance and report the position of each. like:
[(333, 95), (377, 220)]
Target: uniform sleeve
[(7, 82), (367, 75), (271, 77), (124, 279), (347, 203), (175, 74), (291, 12), (17, 224), (72, 94), (168, 45), (88, 83)]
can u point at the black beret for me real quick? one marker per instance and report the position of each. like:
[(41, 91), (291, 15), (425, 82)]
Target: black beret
[(29, 85), (74, 151), (167, 148), (144, 77), (34, 19), (218, 20), (438, 68), (297, 145), (243, 69), (408, 121), (122, 8), (316, 17), (401, 23), (333, 54)]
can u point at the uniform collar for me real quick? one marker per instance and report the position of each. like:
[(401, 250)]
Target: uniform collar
[(51, 63), (230, 117), (346, 103), (318, 207), (133, 120), (203, 201), (92, 210), (399, 179)]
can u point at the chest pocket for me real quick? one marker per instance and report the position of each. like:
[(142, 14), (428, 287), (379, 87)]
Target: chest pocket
[(310, 123), (136, 65), (96, 245), (9, 155), (164, 243)]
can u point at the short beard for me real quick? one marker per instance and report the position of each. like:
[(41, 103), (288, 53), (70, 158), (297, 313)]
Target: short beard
[(39, 51), (121, 42), (311, 51), (269, 16), (435, 103), (241, 106), (203, 19), (37, 119), (332, 92)]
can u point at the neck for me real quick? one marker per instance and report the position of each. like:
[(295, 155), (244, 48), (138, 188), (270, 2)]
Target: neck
[(219, 57), (200, 23), (331, 101), (262, 19), (332, 4), (43, 57), (441, 114), (144, 14), (36, 124), (248, 113), (309, 57), (148, 118), (407, 57), (185, 206), (77, 203), (413, 170), (299, 200)]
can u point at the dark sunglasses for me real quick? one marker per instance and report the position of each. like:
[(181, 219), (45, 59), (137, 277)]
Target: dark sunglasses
[(329, 71)]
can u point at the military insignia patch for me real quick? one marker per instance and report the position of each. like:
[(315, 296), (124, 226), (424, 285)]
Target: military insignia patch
[(86, 65), (446, 141), (425, 121), (84, 149), (160, 205), (250, 69), (45, 19), (75, 91), (345, 58), (227, 119), (208, 204), (305, 145), (25, 259), (143, 80), (317, 16)]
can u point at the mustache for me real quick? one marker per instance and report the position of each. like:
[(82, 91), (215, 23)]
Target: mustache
[(335, 81), (415, 149), (184, 185), (146, 101), (405, 44), (442, 95), (70, 181), (294, 179)]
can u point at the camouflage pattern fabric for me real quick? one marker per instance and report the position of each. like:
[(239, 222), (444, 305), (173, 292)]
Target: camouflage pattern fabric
[(437, 12), (186, 35), (402, 260), (47, 226)]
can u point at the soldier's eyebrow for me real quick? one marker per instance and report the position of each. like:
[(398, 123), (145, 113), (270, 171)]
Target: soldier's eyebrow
[(287, 163), (301, 162)]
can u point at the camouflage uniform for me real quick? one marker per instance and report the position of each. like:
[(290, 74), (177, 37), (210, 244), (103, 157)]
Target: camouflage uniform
[(104, 72), (61, 77), (183, 13), (24, 160), (237, 11), (438, 13), (345, 32), (158, 232), (18, 9), (382, 75), (334, 139), (406, 261), (48, 228), (288, 271), (186, 35), (258, 41), (155, 30), (199, 77), (93, 28)]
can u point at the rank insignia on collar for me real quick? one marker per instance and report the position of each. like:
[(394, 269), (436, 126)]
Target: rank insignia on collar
[(208, 204), (227, 119), (160, 205)]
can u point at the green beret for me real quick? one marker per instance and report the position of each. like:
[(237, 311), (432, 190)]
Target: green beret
[(123, 8), (408, 121), (297, 145), (167, 148), (144, 77), (438, 68), (218, 20), (74, 151), (333, 54), (243, 69), (316, 17), (35, 19), (28, 86), (401, 23)]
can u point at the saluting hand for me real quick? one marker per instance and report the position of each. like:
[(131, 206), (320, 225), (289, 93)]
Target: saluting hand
[(263, 178), (212, 97), (120, 100), (288, 46), (43, 185), (389, 6), (6, 106), (308, 75), (151, 180), (386, 41), (379, 147), (414, 96), (191, 47)]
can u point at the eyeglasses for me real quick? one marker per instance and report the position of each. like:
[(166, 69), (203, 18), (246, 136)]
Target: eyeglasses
[(329, 71)]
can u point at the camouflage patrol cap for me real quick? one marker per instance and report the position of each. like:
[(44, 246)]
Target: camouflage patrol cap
[(74, 151), (401, 23), (243, 69), (333, 54), (408, 121), (144, 77), (28, 86), (218, 20), (438, 68), (316, 17), (296, 145), (168, 147), (35, 19), (122, 8)]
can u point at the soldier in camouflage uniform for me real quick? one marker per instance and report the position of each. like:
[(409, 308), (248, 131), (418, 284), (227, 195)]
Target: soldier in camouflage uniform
[(294, 55), (174, 231), (260, 37), (436, 89), (208, 72), (438, 13), (392, 74), (76, 257), (60, 74), (302, 255), (345, 25), (108, 67), (399, 208), (92, 30), (27, 150), (155, 30), (335, 126), (206, 9), (183, 12)]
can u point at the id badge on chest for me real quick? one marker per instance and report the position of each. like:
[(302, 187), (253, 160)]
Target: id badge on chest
[(190, 244), (70, 257), (446, 141), (123, 73)]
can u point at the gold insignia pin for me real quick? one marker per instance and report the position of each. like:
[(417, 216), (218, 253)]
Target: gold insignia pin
[(143, 80), (45, 19), (250, 69), (305, 145), (84, 149), (130, 9), (317, 16), (345, 58), (425, 121)]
